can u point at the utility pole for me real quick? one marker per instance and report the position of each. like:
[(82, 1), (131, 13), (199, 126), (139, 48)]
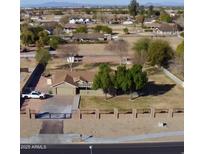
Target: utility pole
[(91, 149)]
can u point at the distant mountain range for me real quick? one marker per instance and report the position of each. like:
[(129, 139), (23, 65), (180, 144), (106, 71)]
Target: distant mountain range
[(68, 4), (58, 4), (164, 4)]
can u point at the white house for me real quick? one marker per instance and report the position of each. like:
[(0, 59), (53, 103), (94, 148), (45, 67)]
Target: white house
[(127, 23), (72, 21)]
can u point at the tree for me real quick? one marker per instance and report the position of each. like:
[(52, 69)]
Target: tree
[(39, 44), (35, 31), (98, 28), (150, 10), (53, 42), (140, 19), (127, 85), (160, 53), (27, 37), (139, 77), (142, 10), (64, 20), (180, 50), (141, 50), (43, 36), (106, 29), (57, 12), (81, 29), (130, 80), (182, 34), (118, 46), (103, 80), (101, 17), (165, 17), (103, 29), (68, 50), (133, 8), (125, 30), (120, 76), (42, 56), (58, 30)]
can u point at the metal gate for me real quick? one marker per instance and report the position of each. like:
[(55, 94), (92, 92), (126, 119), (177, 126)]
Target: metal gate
[(47, 115)]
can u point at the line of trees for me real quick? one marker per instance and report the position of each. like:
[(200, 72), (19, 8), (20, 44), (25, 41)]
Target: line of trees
[(81, 29), (38, 36), (123, 79)]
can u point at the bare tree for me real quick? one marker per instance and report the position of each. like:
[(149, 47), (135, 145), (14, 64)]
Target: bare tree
[(102, 17), (140, 58), (118, 46), (68, 50)]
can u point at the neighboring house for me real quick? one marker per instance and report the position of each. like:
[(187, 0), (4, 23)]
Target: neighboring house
[(81, 21), (172, 13), (180, 21), (89, 37), (127, 23), (150, 20), (168, 29), (71, 82), (36, 18), (153, 25), (70, 27)]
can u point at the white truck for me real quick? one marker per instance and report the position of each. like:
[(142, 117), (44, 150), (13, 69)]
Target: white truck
[(34, 94)]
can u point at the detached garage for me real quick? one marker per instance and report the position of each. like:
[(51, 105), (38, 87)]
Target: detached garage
[(63, 85), (64, 89), (69, 83)]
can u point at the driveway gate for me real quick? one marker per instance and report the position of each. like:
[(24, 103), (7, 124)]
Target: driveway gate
[(47, 115)]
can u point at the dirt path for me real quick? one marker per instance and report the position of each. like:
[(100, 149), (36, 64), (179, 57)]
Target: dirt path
[(52, 127)]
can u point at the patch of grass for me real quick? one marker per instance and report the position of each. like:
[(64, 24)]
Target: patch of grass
[(123, 102)]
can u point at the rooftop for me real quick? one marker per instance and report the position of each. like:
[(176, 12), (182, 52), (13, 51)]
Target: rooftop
[(73, 77)]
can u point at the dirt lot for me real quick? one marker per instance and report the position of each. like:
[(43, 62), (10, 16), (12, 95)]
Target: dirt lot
[(161, 93), (23, 78), (28, 62), (114, 128), (29, 126)]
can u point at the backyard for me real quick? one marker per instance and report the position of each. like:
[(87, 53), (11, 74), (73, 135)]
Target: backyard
[(161, 92)]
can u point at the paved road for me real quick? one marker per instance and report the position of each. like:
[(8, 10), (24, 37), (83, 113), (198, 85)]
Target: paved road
[(73, 138), (137, 148), (32, 54), (134, 137)]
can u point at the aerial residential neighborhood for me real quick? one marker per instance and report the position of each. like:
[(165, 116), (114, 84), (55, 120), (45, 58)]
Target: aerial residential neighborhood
[(101, 74)]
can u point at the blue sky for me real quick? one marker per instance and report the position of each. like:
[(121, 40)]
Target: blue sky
[(115, 2)]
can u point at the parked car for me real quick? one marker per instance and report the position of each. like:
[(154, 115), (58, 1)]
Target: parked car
[(34, 94)]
